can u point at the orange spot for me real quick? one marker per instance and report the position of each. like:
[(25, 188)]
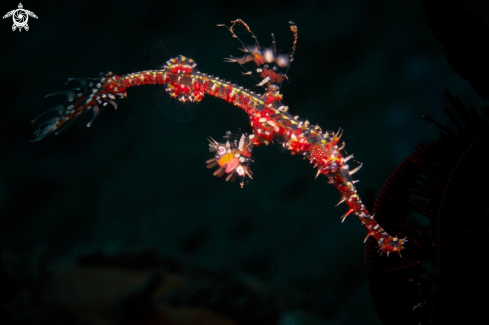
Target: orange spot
[(259, 59), (225, 159)]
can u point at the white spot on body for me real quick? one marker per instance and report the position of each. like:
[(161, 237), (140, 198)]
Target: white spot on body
[(282, 60), (268, 55)]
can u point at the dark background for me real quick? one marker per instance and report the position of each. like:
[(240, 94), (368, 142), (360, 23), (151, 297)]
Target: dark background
[(136, 180)]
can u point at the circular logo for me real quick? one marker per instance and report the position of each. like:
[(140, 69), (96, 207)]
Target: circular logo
[(20, 17)]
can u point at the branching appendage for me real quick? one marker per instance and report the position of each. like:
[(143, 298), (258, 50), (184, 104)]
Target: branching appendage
[(269, 119)]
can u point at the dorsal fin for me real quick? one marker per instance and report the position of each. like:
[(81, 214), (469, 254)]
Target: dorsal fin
[(171, 47)]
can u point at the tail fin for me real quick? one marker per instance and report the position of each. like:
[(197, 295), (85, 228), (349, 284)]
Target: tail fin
[(90, 93)]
